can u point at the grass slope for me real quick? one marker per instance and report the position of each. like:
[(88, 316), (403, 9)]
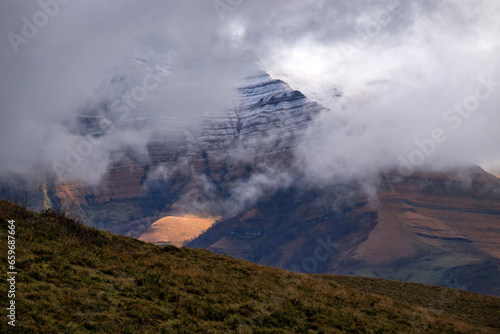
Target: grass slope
[(73, 279)]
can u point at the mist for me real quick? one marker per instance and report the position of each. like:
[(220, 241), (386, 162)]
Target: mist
[(409, 85), (390, 73)]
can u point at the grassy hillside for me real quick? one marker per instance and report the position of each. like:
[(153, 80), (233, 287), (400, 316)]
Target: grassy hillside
[(76, 279)]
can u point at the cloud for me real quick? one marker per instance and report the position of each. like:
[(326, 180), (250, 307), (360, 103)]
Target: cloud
[(115, 63), (399, 66)]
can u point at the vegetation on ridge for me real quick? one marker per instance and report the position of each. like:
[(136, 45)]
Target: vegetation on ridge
[(72, 278)]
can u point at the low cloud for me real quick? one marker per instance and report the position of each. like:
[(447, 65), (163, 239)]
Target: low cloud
[(388, 71)]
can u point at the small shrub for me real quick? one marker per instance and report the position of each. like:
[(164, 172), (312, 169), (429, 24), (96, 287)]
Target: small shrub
[(172, 249)]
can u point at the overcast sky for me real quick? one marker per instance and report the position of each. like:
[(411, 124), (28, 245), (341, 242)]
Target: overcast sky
[(401, 68)]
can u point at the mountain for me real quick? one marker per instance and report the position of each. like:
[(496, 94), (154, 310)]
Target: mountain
[(238, 173), (431, 228), (72, 278), (195, 171)]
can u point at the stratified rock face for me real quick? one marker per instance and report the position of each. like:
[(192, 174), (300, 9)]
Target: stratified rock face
[(431, 228), (194, 171)]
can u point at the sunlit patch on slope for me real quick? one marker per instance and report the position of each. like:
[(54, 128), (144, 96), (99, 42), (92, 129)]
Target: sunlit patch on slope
[(176, 230)]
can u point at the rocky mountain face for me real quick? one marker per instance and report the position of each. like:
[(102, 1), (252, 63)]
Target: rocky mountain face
[(199, 171), (240, 169)]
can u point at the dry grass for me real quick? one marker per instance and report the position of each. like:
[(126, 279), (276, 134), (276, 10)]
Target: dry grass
[(76, 279)]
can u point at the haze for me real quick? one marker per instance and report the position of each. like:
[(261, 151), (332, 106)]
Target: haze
[(390, 74)]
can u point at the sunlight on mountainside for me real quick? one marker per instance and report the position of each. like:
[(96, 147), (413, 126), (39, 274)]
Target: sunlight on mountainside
[(176, 230)]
